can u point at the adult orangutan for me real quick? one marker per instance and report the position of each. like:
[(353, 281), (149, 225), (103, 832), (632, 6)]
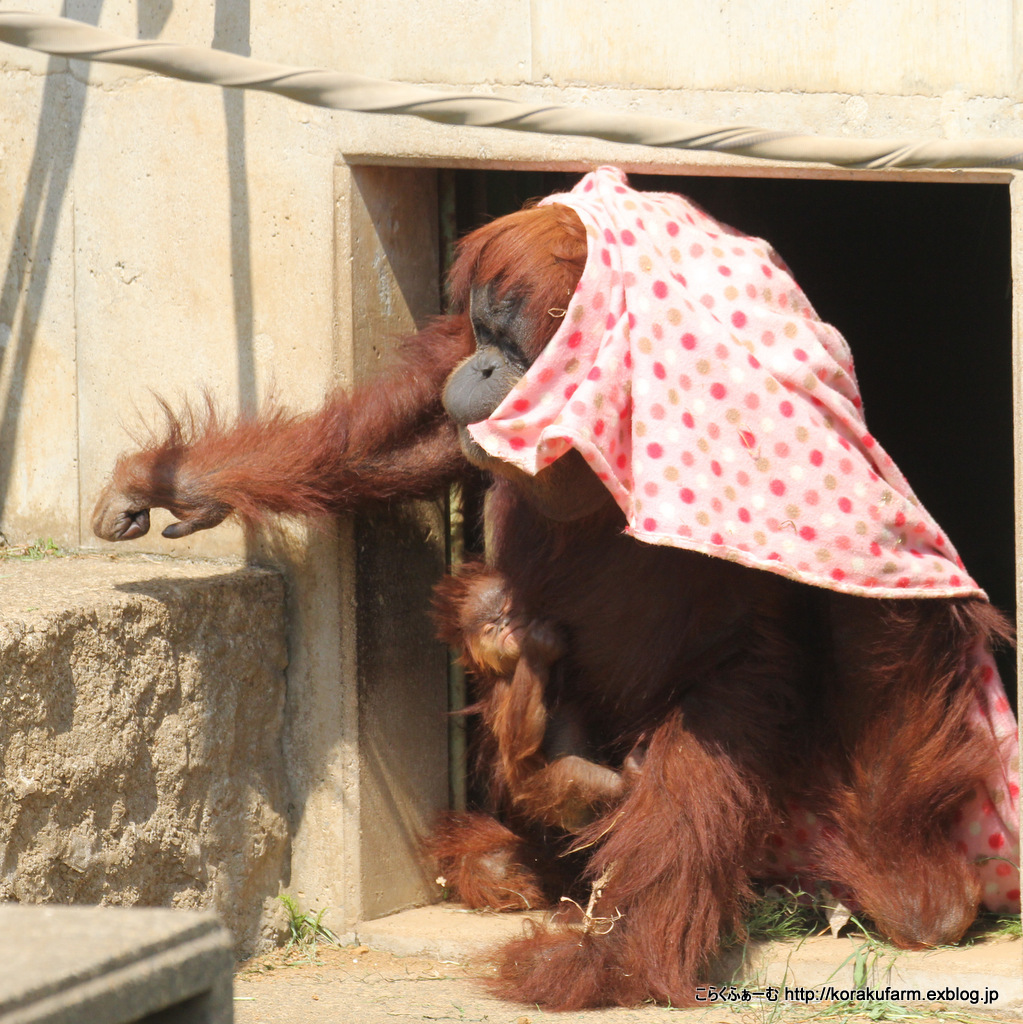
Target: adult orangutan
[(754, 637)]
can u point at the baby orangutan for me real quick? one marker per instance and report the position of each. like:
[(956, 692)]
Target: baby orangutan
[(540, 754)]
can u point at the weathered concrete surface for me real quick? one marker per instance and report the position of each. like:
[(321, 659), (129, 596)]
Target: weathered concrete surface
[(141, 710), (84, 965)]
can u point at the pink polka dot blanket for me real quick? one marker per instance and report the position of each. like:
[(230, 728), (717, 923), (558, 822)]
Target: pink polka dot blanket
[(723, 415)]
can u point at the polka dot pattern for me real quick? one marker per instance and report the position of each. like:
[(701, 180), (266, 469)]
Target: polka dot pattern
[(696, 353), (723, 415)]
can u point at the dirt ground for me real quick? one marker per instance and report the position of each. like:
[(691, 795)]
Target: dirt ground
[(356, 985)]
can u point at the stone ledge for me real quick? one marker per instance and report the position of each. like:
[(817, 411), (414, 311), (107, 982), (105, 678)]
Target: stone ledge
[(68, 965), (141, 714)]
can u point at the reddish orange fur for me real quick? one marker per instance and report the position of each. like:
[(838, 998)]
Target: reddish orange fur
[(746, 690)]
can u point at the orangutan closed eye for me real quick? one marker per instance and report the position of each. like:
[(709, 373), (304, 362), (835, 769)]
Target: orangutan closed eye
[(744, 593)]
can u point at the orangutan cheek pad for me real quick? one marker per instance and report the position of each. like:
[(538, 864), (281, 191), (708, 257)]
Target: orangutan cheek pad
[(724, 417)]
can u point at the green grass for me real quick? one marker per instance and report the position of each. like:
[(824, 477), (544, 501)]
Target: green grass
[(305, 929)]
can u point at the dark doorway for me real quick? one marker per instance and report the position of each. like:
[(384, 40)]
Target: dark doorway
[(917, 276)]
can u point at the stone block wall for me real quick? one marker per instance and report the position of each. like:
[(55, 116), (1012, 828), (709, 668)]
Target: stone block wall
[(141, 716)]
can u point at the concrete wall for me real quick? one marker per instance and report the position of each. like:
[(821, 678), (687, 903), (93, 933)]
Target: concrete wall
[(161, 235)]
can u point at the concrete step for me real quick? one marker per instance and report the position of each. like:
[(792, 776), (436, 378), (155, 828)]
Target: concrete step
[(85, 965), (141, 715)]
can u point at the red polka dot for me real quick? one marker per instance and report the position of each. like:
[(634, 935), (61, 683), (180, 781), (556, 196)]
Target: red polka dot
[(718, 390), (621, 462), (716, 538), (954, 581), (816, 457), (570, 390), (659, 371), (800, 355), (650, 524), (875, 549), (687, 495), (753, 361), (777, 487), (845, 504), (738, 318), (628, 238), (868, 441), (725, 271), (609, 236), (996, 840), (605, 257), (786, 409), (598, 427), (1013, 895), (688, 341), (807, 533), (654, 450), (715, 467), (672, 228), (517, 443), (628, 360), (575, 339), (594, 374), (687, 419), (744, 516), (781, 449), (765, 269), (1003, 869), (747, 439), (837, 574), (520, 404), (610, 321), (660, 289)]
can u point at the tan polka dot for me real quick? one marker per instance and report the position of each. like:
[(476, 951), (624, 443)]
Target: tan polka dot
[(889, 567), (598, 400), (809, 382), (676, 256), (703, 445), (674, 316), (629, 204), (771, 384), (861, 528), (802, 435), (571, 366), (763, 465), (733, 416), (823, 554), (640, 428), (830, 482), (703, 366), (646, 265), (718, 252), (578, 312), (673, 396), (731, 292), (645, 345), (790, 329), (792, 511), (760, 537), (730, 493), (702, 518), (671, 474)]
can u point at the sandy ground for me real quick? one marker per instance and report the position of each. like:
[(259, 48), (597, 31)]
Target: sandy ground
[(356, 985)]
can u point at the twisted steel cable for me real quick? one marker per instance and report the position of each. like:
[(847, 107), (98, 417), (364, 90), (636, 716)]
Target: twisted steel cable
[(339, 90)]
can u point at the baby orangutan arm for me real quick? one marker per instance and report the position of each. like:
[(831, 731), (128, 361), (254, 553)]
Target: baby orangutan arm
[(538, 765)]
